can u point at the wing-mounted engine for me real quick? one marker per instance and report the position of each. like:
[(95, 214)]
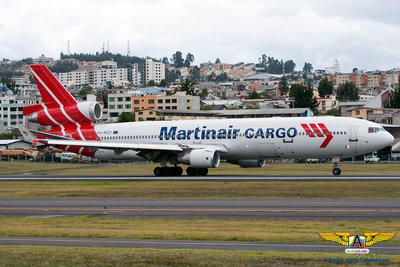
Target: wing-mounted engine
[(83, 112), (200, 158), (249, 163)]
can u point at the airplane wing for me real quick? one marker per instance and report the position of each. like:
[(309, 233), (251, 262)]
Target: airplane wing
[(143, 149), (112, 145)]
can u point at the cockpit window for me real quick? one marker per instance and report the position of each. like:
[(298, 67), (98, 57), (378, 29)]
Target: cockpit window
[(375, 129)]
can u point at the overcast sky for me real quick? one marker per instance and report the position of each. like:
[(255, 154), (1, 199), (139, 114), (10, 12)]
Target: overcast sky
[(363, 34)]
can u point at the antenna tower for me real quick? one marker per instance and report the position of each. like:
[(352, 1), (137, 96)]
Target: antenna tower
[(128, 54)]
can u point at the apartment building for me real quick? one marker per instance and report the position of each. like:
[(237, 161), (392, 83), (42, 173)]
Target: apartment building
[(366, 80), (118, 103), (73, 78), (143, 105), (11, 110), (327, 103), (136, 74), (154, 71), (103, 76)]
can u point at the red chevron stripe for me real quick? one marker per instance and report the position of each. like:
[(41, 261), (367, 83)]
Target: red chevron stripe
[(328, 134), (308, 130)]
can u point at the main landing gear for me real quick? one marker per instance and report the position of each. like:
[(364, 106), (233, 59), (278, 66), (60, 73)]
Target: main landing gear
[(177, 171), (336, 170), (168, 171)]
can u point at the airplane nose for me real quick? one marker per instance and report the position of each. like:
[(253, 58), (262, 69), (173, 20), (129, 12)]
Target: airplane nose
[(388, 139)]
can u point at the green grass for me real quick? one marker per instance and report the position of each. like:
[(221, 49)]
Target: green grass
[(194, 229), (73, 256), (126, 189), (223, 169), (39, 167)]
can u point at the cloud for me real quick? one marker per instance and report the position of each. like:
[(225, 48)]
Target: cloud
[(359, 34)]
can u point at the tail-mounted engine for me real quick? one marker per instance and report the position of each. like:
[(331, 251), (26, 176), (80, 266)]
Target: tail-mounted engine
[(84, 112)]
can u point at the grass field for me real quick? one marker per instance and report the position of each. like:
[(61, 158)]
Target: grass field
[(194, 229), (223, 169), (126, 189), (66, 256)]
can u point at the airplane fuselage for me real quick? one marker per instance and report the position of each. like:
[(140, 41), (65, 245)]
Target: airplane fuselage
[(289, 138)]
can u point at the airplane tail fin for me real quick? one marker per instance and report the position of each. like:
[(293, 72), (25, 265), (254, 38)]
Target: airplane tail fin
[(51, 90), (59, 110)]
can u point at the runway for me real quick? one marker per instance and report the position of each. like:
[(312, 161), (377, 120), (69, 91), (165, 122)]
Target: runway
[(381, 248), (210, 178), (336, 209)]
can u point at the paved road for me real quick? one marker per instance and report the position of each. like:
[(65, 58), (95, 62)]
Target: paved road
[(381, 248), (339, 209), (217, 178)]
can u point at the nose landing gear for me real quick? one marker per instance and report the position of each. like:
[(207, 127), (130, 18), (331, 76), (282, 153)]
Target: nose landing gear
[(336, 170)]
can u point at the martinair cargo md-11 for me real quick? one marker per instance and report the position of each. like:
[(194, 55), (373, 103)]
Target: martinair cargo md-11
[(198, 143)]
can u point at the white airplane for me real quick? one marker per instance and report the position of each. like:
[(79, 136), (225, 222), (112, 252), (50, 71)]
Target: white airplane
[(198, 143)]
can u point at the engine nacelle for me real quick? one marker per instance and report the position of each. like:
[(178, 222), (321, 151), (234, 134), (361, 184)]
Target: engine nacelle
[(201, 158), (250, 163), (84, 112), (91, 110)]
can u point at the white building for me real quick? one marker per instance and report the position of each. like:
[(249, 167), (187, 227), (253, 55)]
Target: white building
[(154, 71), (73, 78), (11, 110), (101, 77), (136, 75)]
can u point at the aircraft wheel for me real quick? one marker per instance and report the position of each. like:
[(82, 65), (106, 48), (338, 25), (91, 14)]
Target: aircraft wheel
[(202, 172), (191, 171), (178, 171), (336, 171), (158, 171)]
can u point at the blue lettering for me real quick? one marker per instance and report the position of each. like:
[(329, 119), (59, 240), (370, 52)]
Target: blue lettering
[(248, 134), (221, 134), (280, 132), (165, 134), (259, 133), (291, 132), (181, 135), (269, 133)]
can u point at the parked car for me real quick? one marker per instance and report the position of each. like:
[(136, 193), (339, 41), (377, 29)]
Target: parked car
[(371, 159), (317, 160)]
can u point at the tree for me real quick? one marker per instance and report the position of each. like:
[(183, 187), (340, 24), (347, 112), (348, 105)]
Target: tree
[(165, 61), (163, 83), (151, 83), (307, 67), (217, 61), (177, 60), (195, 73), (334, 112), (189, 59), (303, 96), (172, 75), (204, 93), (254, 95), (394, 99), (86, 90), (187, 86), (10, 83), (325, 87), (283, 86), (289, 66), (347, 92), (104, 96), (126, 117), (65, 66)]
